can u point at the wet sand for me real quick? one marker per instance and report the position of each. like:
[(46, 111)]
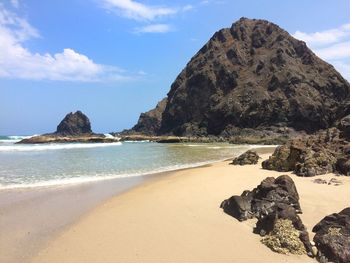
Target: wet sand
[(29, 218)]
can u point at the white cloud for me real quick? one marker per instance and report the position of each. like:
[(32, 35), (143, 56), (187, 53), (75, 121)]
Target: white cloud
[(324, 37), (332, 45), (336, 51), (16, 61), (343, 68), (187, 8), (138, 11), (154, 28)]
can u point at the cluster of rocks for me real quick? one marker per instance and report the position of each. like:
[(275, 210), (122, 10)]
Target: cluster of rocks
[(332, 181), (249, 157), (275, 205), (272, 200), (324, 152)]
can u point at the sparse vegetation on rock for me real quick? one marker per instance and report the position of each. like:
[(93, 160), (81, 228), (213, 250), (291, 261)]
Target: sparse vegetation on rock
[(284, 238)]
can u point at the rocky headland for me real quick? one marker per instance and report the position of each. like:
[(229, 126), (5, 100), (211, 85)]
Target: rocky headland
[(250, 83), (75, 127)]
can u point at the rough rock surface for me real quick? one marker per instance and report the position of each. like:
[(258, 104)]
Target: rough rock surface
[(332, 236), (284, 238), (74, 124), (325, 152), (254, 75), (249, 157), (271, 200), (149, 122)]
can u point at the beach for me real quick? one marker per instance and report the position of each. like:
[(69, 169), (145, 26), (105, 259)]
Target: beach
[(176, 218), (46, 188)]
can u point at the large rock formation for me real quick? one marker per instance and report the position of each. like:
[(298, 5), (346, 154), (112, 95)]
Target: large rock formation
[(332, 237), (324, 152), (253, 75), (149, 122), (74, 124), (273, 199)]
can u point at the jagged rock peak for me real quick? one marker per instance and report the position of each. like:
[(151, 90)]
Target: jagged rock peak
[(74, 124), (254, 75)]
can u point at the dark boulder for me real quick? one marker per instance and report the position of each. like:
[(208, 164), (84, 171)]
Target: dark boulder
[(74, 124), (273, 199), (332, 236), (249, 157), (238, 206)]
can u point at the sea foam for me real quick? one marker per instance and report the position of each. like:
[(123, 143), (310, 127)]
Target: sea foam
[(54, 146)]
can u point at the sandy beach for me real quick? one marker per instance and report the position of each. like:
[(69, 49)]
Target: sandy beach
[(176, 218)]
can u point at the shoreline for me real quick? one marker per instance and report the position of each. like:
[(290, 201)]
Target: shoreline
[(50, 210), (179, 215), (71, 182)]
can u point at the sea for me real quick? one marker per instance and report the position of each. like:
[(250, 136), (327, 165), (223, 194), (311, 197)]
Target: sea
[(47, 165)]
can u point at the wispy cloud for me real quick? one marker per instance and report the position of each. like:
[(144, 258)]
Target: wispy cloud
[(145, 14), (138, 11), (336, 51), (16, 61), (154, 28), (332, 45), (15, 3), (324, 37), (187, 8)]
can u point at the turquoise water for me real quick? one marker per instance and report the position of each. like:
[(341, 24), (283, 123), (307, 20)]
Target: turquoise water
[(72, 163)]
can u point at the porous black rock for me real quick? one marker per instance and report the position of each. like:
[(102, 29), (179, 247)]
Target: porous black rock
[(332, 237)]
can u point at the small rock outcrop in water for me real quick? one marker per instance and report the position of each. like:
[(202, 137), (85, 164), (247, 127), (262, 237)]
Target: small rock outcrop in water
[(75, 127), (74, 124), (253, 75), (273, 199), (325, 152), (249, 157), (332, 237)]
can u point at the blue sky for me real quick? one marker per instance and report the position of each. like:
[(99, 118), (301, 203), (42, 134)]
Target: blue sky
[(114, 59)]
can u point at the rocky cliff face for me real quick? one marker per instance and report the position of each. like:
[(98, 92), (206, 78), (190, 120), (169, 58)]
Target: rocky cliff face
[(74, 124), (254, 75), (150, 121)]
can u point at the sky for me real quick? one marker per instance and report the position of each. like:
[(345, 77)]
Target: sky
[(113, 59)]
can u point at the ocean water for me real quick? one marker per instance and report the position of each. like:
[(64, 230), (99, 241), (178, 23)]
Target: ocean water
[(43, 165)]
